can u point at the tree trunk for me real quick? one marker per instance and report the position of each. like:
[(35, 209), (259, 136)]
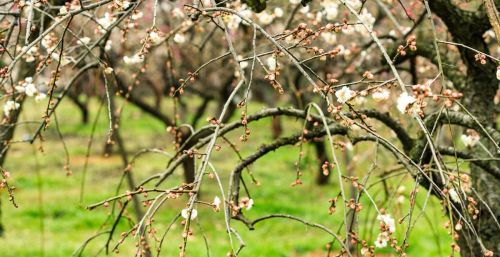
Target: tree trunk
[(479, 91)]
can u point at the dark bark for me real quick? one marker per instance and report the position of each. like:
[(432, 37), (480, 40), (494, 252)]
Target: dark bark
[(479, 89), (82, 106), (189, 163)]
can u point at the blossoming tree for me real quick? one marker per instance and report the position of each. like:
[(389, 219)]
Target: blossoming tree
[(416, 79)]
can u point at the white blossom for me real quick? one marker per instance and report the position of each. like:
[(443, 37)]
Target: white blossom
[(83, 41), (28, 82), (40, 96), (179, 38), (156, 38), (294, 1), (29, 56), (177, 13), (245, 12), (329, 37), (125, 4), (9, 106), (382, 240), (233, 21), (137, 15), (319, 16), (249, 205), (134, 59), (185, 213), (345, 94), (498, 72), (454, 195), (381, 95), (278, 12), (108, 70), (388, 221), (470, 140), (108, 46), (265, 18), (354, 4), (106, 22), (64, 60), (331, 9), (304, 10), (217, 202), (63, 10), (405, 100), (367, 19), (243, 64), (272, 63)]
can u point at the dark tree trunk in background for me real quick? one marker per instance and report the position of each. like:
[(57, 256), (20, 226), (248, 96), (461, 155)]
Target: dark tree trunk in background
[(479, 88), (276, 127), (82, 106)]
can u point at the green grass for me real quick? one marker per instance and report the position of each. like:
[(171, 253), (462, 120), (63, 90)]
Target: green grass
[(51, 221)]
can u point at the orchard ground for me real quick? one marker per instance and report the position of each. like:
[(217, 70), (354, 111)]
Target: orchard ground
[(51, 221)]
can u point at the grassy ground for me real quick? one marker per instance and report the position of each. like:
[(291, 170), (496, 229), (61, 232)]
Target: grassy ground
[(51, 221)]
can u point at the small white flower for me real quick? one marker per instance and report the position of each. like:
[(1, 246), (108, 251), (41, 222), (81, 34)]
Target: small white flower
[(217, 202), (319, 16), (179, 38), (185, 213), (354, 4), (331, 10), (294, 1), (243, 64), (233, 21), (382, 240), (30, 53), (28, 83), (454, 195), (64, 60), (30, 89), (40, 97), (498, 72), (249, 205), (278, 12), (381, 95), (109, 45), (404, 101), (156, 38), (137, 15), (304, 10), (9, 106), (388, 221), (265, 18), (125, 4), (63, 10), (329, 37), (106, 22), (367, 18), (165, 6), (345, 94), (246, 13), (84, 41), (177, 13), (108, 70), (470, 140), (48, 43), (272, 64), (135, 59)]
